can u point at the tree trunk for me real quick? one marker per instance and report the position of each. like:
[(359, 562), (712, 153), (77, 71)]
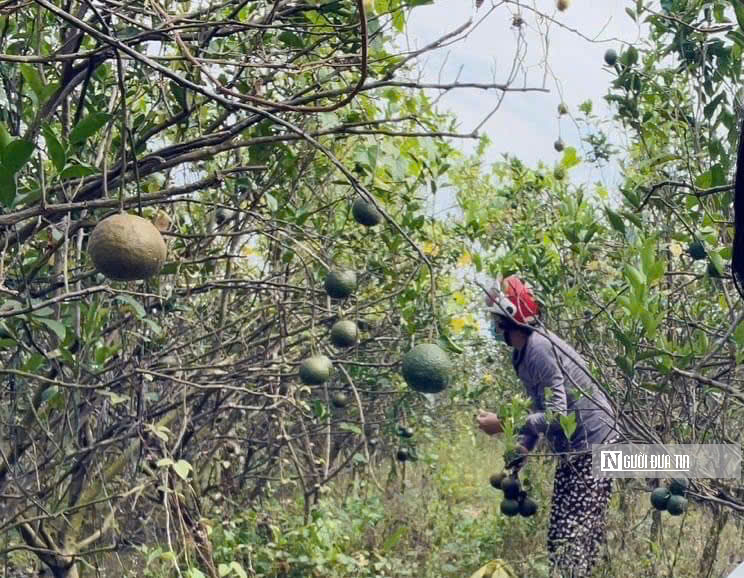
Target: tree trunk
[(70, 571), (710, 551), (655, 532)]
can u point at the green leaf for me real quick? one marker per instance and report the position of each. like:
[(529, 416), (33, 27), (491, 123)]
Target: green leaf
[(239, 571), (616, 221), (182, 468), (568, 424), (7, 187), (624, 364), (16, 154), (350, 427), (33, 79), (570, 158), (136, 306), (636, 278), (58, 328), (739, 11), (49, 393), (88, 126), (704, 180), (5, 137), (633, 218), (392, 540), (290, 39), (55, 149), (77, 171), (114, 398), (271, 202)]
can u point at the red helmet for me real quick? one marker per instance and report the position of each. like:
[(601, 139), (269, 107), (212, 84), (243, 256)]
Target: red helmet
[(513, 299)]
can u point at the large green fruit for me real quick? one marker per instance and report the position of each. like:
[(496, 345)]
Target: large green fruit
[(365, 213), (340, 284), (696, 250), (509, 507), (496, 479), (426, 368), (610, 57), (676, 505), (527, 507), (127, 247), (660, 497), (344, 333), (511, 488), (678, 486), (315, 370)]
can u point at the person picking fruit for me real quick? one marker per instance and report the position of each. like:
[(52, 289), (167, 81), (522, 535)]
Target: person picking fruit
[(558, 382)]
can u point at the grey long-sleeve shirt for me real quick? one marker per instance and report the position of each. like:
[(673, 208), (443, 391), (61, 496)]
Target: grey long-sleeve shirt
[(556, 381)]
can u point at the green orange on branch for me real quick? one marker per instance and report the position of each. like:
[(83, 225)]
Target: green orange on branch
[(509, 507), (315, 370), (340, 284), (340, 400), (696, 250), (126, 247), (660, 497), (365, 213), (511, 488), (344, 333), (496, 479), (678, 486), (677, 505), (427, 368), (527, 507)]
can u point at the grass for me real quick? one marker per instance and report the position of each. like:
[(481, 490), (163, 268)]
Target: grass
[(439, 518)]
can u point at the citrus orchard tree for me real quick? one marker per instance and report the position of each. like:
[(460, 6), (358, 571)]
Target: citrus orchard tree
[(640, 278), (216, 247)]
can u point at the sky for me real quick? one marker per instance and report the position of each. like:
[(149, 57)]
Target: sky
[(527, 123)]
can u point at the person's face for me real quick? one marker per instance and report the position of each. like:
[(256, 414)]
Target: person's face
[(498, 328)]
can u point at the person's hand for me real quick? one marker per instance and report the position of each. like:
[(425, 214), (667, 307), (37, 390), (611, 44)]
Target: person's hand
[(489, 422)]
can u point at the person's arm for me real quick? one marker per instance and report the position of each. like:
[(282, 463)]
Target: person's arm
[(548, 376)]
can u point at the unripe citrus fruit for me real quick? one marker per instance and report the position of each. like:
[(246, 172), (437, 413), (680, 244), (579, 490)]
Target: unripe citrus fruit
[(660, 497), (677, 505), (344, 333), (340, 284), (315, 370), (365, 213), (126, 247), (426, 368), (509, 507)]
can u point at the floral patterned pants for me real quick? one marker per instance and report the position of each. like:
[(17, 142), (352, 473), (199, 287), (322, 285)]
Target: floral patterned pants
[(577, 517)]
